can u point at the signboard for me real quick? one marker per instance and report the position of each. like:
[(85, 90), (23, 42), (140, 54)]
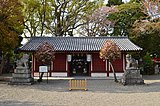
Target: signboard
[(89, 58), (69, 57), (43, 69)]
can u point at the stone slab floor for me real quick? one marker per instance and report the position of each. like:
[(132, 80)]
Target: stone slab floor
[(100, 92)]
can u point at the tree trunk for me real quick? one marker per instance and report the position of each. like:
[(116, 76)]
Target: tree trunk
[(115, 77)]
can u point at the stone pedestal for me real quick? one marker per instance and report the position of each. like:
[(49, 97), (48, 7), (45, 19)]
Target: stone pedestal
[(132, 76), (22, 76)]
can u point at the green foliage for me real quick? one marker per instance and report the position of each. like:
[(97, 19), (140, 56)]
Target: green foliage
[(56, 17), (146, 35), (35, 14), (126, 16), (148, 64), (133, 1), (11, 20), (114, 2), (11, 26)]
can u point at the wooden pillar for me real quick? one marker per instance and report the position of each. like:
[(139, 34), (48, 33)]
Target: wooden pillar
[(68, 72), (91, 66), (68, 59), (109, 66), (67, 65)]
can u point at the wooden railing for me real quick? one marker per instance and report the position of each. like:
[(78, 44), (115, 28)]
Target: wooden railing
[(78, 84)]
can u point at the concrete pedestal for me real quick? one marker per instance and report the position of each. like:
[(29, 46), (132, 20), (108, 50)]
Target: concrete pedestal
[(22, 76), (132, 76)]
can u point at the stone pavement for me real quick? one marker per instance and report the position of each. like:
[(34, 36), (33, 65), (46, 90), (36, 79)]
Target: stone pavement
[(100, 84), (101, 92), (103, 85), (94, 84)]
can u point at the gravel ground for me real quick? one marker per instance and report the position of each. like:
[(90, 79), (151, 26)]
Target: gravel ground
[(100, 93)]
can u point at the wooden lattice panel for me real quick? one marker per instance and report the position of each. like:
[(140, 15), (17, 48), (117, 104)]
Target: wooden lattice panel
[(78, 84)]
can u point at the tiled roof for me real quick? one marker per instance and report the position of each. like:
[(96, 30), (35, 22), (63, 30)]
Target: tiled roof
[(79, 43)]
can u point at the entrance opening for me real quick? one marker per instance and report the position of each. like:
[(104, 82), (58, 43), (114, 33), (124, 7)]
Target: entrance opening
[(79, 65)]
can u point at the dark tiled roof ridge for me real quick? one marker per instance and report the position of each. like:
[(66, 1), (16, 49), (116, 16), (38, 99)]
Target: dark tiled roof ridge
[(80, 43), (80, 37)]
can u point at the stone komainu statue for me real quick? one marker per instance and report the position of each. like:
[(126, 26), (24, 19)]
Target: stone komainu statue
[(23, 62), (131, 62)]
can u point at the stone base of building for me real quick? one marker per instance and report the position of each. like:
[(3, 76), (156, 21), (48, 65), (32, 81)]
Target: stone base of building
[(132, 76)]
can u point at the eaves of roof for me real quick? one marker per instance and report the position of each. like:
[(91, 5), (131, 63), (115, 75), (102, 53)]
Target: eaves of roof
[(79, 43)]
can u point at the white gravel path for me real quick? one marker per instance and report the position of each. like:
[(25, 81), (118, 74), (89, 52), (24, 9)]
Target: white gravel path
[(100, 93)]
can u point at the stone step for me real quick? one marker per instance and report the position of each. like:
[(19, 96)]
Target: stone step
[(132, 76), (134, 81), (22, 70), (21, 75), (22, 80), (17, 83)]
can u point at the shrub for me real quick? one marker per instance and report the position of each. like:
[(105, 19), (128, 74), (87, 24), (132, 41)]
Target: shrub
[(148, 65)]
